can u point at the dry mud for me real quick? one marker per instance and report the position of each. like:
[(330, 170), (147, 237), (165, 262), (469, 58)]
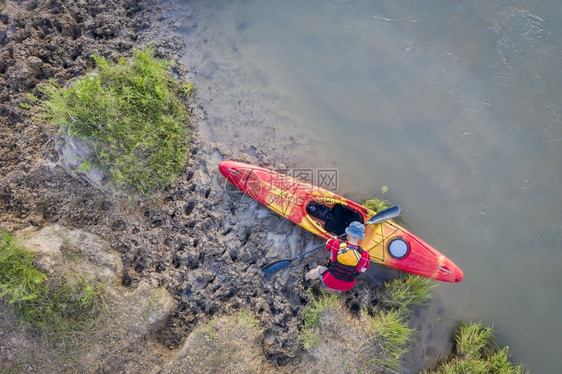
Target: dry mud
[(199, 239)]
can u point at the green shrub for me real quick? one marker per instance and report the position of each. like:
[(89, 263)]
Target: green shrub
[(51, 304), (313, 310), (409, 290), (392, 335), (132, 114), (20, 281), (475, 353), (312, 317), (377, 204), (65, 305)]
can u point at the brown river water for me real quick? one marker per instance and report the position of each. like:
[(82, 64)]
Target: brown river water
[(454, 105)]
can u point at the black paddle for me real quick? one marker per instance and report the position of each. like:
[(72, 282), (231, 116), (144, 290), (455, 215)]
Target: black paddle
[(385, 215)]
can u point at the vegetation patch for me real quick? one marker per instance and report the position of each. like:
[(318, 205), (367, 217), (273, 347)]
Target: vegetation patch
[(475, 352), (54, 305), (312, 318), (391, 336), (338, 341), (377, 203), (226, 344), (375, 340), (132, 114), (412, 289), (20, 281)]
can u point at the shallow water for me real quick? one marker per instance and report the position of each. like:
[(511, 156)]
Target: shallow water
[(455, 105)]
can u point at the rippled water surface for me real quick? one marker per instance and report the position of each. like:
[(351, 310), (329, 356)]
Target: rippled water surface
[(455, 105)]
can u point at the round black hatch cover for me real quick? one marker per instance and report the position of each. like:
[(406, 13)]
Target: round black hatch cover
[(398, 248)]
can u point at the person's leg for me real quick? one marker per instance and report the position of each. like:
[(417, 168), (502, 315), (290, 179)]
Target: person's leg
[(316, 272)]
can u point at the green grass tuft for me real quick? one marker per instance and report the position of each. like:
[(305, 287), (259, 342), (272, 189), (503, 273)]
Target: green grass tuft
[(458, 365), (378, 204), (312, 311), (20, 281), (132, 114), (392, 337), (54, 305), (312, 316), (475, 353), (409, 290), (471, 339)]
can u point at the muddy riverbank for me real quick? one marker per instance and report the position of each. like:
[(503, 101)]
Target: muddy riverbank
[(196, 238)]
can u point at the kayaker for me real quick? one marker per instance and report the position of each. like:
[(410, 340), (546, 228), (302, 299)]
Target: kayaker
[(347, 260)]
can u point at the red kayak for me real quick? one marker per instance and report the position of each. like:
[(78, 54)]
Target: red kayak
[(326, 214)]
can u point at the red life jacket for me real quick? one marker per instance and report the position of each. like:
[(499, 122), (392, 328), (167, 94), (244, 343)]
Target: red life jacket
[(346, 265)]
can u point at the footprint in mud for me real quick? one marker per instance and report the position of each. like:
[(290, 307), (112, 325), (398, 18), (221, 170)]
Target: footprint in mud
[(140, 264), (216, 157), (194, 260), (189, 175), (232, 254), (157, 223), (189, 207), (118, 225), (207, 192), (160, 267), (126, 280), (247, 234)]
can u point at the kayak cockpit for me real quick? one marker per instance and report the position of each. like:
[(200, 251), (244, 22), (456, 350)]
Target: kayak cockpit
[(333, 218)]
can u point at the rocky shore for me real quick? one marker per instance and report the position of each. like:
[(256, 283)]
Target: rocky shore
[(195, 239)]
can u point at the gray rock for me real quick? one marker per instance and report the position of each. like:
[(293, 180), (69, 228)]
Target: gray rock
[(74, 154), (62, 250)]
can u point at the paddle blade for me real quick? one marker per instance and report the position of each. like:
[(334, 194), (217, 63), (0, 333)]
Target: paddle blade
[(274, 267), (389, 213)]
